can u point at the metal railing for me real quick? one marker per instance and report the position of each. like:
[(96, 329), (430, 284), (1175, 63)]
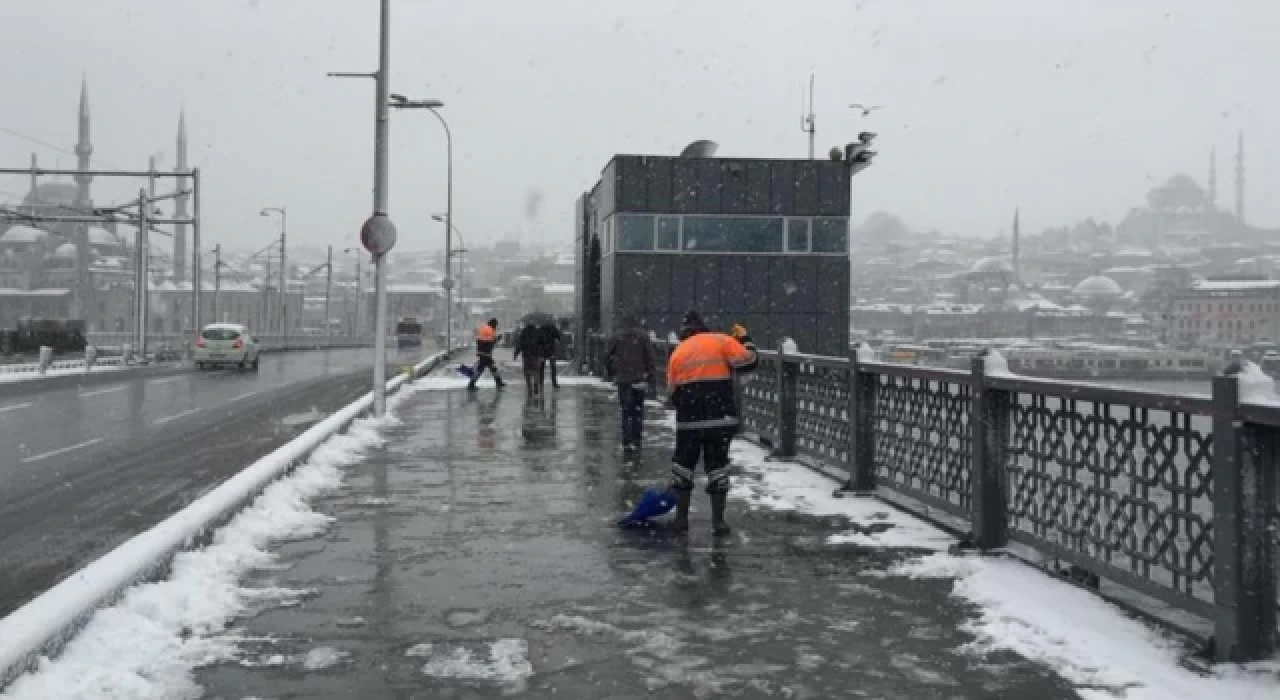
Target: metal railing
[(1174, 496)]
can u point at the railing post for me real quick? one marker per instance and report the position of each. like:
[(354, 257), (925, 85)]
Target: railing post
[(788, 374), (862, 389), (989, 423), (1244, 494)]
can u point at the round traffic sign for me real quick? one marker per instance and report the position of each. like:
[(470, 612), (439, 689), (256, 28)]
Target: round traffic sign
[(378, 235), (447, 283)]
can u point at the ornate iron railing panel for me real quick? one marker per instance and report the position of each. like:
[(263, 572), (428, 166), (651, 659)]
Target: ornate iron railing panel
[(922, 440), (822, 411), (1124, 486), (759, 393)]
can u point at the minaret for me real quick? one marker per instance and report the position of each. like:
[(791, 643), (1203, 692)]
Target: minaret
[(1016, 276), (180, 205), (1240, 177), (1211, 199), (83, 150)]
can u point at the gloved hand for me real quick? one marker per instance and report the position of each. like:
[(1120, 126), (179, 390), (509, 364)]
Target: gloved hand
[(739, 333)]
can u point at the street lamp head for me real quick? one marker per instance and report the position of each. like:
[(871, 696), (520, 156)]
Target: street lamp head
[(399, 99), (437, 217)]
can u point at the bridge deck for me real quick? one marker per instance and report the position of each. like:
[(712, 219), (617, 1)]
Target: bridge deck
[(475, 556)]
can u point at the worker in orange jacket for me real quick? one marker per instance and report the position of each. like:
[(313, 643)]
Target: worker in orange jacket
[(486, 339), (700, 379)]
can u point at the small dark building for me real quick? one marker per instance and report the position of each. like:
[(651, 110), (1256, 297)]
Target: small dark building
[(762, 242)]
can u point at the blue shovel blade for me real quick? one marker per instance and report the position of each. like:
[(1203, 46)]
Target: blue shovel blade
[(653, 503), (467, 371)]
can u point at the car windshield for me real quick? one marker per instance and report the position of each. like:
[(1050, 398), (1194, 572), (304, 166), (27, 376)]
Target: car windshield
[(220, 334)]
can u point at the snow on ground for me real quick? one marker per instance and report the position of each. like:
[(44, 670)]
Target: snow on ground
[(507, 662), (1087, 640), (148, 644), (1090, 642), (794, 487), (10, 377)]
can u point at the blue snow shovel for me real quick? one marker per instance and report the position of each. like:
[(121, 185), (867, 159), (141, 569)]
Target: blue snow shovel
[(653, 503), (467, 371)]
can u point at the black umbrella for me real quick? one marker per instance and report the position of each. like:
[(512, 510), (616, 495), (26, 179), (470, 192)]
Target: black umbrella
[(538, 318)]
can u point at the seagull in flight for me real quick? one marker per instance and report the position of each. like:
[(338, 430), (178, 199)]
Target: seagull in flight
[(866, 109)]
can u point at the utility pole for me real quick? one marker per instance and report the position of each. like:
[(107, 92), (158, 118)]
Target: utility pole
[(195, 252), (328, 289), (142, 261), (808, 120), (217, 281), (266, 296), (284, 282)]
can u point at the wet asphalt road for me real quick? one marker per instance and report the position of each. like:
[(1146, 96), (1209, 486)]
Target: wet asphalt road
[(83, 469), (484, 530)]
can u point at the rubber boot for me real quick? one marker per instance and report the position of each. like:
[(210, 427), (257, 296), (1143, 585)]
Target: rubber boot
[(681, 521), (719, 527)]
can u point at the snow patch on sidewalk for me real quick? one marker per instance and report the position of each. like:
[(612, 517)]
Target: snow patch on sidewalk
[(507, 663), (148, 644), (1090, 642), (788, 486)]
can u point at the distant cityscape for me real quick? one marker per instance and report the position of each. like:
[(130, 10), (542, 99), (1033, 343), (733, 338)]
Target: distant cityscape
[(1179, 276)]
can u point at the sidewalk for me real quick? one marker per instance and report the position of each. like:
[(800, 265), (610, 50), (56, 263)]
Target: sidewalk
[(474, 556)]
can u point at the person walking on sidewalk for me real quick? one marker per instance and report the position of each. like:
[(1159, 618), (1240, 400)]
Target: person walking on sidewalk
[(530, 345), (549, 335), (486, 338), (629, 360), (700, 380)]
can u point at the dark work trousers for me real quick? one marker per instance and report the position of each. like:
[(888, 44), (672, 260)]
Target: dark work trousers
[(631, 401), (532, 373), (712, 445), (484, 362), (551, 362)]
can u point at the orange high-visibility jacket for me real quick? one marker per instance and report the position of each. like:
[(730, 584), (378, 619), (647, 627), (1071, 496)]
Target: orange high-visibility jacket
[(700, 378)]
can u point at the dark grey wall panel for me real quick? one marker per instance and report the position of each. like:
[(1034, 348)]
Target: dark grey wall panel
[(780, 280), (607, 293), (756, 283), (630, 282), (782, 188), (658, 175), (709, 189), (833, 190), (833, 336), (758, 188), (606, 195), (803, 288), (806, 202), (804, 330), (833, 284), (708, 281), (733, 274), (632, 185), (683, 283), (658, 283), (684, 196), (733, 179)]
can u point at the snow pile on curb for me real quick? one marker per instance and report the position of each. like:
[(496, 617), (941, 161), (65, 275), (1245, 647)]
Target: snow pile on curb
[(1090, 642), (788, 486), (148, 644), (12, 377)]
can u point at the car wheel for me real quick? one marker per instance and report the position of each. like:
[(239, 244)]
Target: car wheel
[(255, 362), (201, 366)]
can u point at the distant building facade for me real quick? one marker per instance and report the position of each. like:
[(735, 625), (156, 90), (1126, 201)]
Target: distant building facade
[(1224, 315), (760, 242)]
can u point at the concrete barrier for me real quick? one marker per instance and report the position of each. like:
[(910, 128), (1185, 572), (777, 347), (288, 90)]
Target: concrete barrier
[(43, 626)]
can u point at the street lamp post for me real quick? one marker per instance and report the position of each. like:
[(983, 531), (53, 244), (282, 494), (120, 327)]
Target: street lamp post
[(401, 102), (284, 227), (380, 221)]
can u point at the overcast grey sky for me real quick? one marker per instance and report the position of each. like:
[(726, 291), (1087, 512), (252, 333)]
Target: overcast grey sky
[(1066, 109)]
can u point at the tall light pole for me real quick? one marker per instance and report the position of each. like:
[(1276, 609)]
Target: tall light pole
[(284, 227), (358, 328), (401, 102), (449, 253), (378, 234)]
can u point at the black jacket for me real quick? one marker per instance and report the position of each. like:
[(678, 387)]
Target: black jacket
[(630, 356), (546, 338), (528, 343)]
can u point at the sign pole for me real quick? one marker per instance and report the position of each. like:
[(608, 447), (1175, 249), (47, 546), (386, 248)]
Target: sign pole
[(380, 176)]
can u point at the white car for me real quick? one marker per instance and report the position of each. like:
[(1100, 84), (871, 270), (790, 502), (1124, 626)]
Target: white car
[(226, 344)]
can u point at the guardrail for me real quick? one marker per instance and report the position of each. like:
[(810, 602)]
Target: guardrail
[(182, 342), (1174, 496), (44, 624)]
